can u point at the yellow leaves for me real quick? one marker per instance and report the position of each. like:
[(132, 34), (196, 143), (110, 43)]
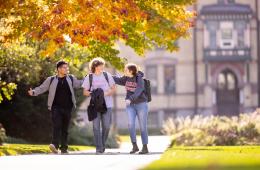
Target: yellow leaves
[(7, 89), (50, 49), (100, 20)]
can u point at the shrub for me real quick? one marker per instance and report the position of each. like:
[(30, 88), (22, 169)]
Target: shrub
[(214, 130), (2, 134), (12, 140)]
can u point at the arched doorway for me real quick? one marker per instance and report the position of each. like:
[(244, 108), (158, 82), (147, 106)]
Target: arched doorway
[(227, 93)]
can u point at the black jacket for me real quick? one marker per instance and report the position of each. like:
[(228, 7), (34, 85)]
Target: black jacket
[(97, 104)]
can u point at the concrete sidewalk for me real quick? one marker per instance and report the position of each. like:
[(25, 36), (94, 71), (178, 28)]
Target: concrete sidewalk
[(113, 159)]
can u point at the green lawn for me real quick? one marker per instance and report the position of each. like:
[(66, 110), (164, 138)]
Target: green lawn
[(209, 158), (19, 149), (124, 138)]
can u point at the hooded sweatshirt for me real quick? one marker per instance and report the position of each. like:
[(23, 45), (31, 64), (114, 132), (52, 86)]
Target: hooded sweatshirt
[(134, 87)]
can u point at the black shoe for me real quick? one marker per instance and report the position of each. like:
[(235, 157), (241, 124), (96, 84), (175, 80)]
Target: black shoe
[(144, 150), (135, 148), (64, 152), (99, 152), (103, 150)]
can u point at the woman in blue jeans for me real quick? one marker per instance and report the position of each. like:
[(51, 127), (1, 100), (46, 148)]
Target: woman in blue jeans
[(136, 104)]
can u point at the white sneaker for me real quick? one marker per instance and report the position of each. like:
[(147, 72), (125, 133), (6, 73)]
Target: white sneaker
[(53, 149)]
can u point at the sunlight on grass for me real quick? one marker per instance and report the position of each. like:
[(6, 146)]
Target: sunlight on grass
[(213, 158), (124, 138), (19, 149)]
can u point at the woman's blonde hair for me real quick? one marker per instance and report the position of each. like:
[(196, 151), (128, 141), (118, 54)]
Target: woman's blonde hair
[(95, 62)]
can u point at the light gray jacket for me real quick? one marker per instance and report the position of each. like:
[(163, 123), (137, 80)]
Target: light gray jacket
[(45, 86)]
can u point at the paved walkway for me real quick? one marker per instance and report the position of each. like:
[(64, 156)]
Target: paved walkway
[(113, 159)]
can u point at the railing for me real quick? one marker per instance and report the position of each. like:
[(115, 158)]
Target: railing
[(235, 54)]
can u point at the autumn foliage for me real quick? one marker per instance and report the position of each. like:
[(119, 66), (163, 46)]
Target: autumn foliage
[(141, 24)]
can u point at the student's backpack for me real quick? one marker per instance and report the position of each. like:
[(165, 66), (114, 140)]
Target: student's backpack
[(147, 89), (52, 78), (91, 79)]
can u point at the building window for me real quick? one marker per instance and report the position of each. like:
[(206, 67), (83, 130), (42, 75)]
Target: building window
[(248, 72), (227, 80), (213, 39), (153, 120), (226, 34), (169, 79), (206, 72), (169, 114), (240, 26), (151, 74), (212, 27)]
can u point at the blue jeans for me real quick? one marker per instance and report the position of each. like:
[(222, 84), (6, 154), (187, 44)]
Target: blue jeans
[(141, 112), (101, 135)]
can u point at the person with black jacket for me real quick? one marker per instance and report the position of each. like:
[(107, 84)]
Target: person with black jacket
[(136, 104), (98, 79)]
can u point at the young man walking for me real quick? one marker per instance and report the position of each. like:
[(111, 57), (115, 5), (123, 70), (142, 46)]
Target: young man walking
[(61, 100)]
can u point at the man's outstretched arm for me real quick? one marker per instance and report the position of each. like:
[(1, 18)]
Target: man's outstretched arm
[(40, 89), (77, 83)]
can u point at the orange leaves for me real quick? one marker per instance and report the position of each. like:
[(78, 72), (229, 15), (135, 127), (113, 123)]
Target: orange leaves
[(83, 20), (105, 21), (64, 24)]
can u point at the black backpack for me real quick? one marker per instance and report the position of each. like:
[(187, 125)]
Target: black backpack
[(147, 89), (52, 78)]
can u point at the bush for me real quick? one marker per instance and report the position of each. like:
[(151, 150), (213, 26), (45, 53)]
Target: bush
[(214, 130), (83, 135), (12, 140), (2, 134)]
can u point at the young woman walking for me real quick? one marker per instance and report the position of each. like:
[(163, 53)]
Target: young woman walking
[(136, 104)]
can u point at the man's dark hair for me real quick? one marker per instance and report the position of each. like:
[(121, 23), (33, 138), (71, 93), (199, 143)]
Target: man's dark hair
[(60, 64)]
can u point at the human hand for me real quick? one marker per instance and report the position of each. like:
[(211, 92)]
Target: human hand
[(86, 93), (30, 92), (128, 102)]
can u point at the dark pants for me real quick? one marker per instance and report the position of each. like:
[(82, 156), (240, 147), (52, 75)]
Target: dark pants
[(60, 123)]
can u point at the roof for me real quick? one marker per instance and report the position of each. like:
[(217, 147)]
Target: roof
[(230, 8)]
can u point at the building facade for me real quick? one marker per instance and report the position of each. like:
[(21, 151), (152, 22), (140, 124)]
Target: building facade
[(213, 73)]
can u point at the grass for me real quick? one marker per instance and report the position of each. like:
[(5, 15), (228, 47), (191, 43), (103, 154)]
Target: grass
[(20, 149), (124, 138), (209, 158)]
